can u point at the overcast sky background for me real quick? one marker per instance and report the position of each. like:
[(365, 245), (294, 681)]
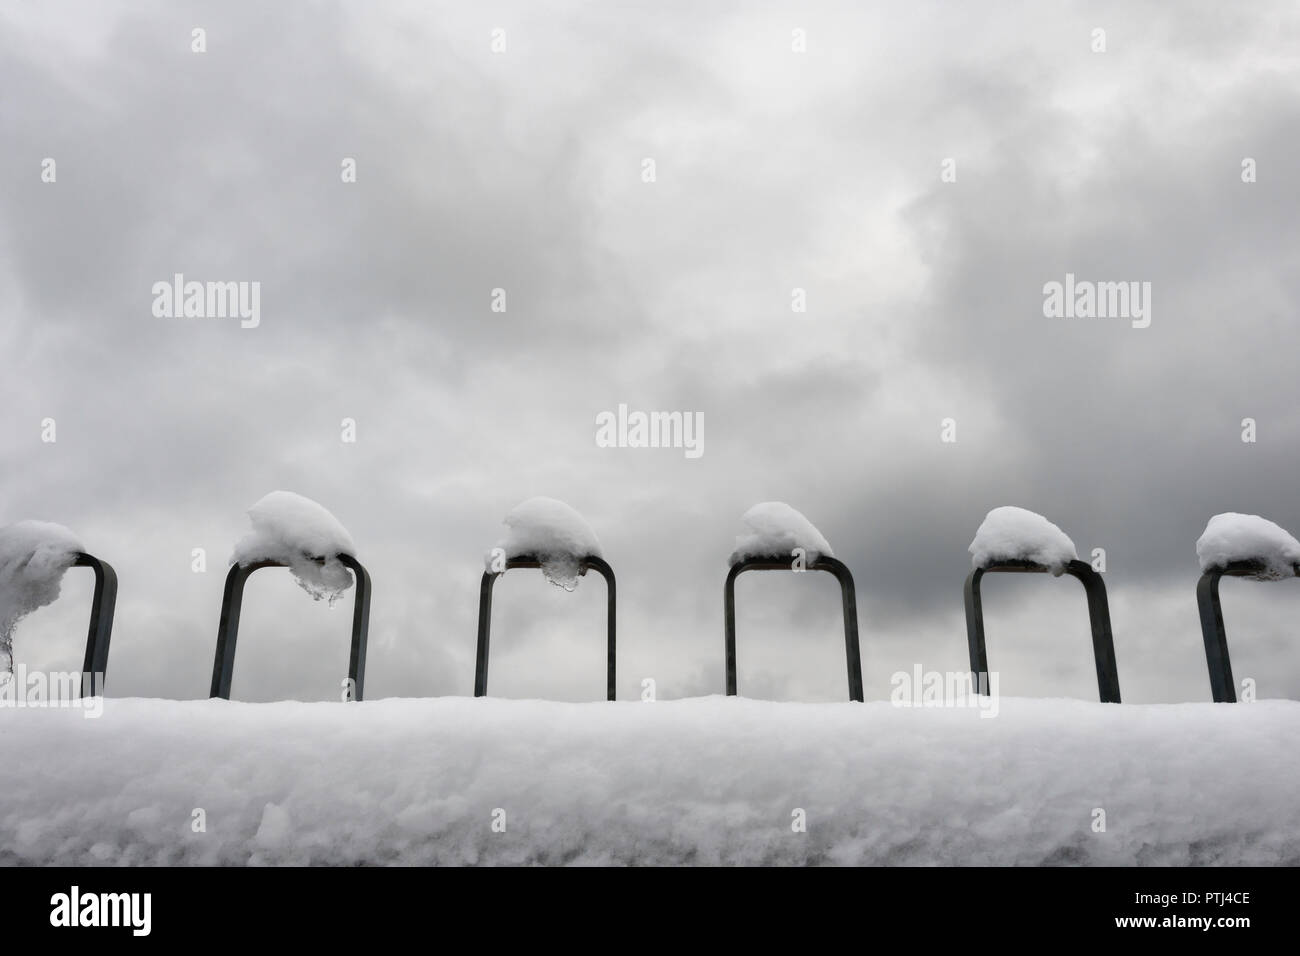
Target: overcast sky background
[(775, 170)]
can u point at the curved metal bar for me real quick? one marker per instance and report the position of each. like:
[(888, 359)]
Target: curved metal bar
[(223, 664), (1213, 633), (360, 625), (102, 606), (848, 600), (1103, 643), (588, 563)]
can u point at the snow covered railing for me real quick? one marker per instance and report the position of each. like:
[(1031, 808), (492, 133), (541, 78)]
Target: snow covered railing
[(293, 532), (34, 555), (296, 533), (779, 538), (548, 534), (587, 563), (1019, 541), (1242, 546), (223, 664)]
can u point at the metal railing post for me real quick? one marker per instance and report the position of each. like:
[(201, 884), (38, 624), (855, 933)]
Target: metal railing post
[(102, 606), (585, 564), (848, 601), (1103, 643), (223, 663), (1213, 633)]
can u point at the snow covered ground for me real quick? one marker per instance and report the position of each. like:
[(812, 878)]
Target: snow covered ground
[(704, 780)]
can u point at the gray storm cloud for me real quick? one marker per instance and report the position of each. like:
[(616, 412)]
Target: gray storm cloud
[(775, 171)]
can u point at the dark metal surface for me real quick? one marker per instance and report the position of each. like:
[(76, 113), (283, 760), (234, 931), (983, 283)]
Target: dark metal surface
[(223, 665), (590, 562), (849, 600), (1213, 633), (102, 606), (1103, 644)]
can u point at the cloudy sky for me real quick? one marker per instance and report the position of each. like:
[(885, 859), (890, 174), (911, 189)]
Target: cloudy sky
[(775, 170)]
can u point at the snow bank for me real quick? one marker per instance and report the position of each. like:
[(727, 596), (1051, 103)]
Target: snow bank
[(299, 532), (703, 781), (1235, 537), (1014, 534), (554, 532), (773, 530), (33, 557)]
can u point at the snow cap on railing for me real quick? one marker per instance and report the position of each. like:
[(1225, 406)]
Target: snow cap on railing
[(551, 531), (1232, 537), (1015, 534), (774, 530), (33, 557), (302, 534)]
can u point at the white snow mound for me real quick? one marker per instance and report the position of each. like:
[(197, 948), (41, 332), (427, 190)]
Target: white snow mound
[(1015, 534), (705, 781), (552, 531), (1232, 537), (299, 532), (774, 530), (33, 557)]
